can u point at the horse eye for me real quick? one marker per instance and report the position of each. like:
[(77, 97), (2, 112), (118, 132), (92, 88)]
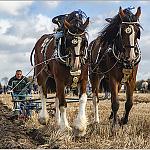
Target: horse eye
[(74, 41), (128, 30)]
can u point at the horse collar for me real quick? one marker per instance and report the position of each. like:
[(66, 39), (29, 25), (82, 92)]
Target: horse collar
[(45, 45)]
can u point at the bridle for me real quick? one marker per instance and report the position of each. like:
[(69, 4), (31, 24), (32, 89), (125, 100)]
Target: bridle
[(114, 50), (75, 34), (118, 56), (77, 37)]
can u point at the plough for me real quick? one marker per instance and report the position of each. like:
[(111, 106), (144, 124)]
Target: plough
[(28, 104)]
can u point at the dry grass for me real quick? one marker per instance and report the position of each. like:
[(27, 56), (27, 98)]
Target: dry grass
[(134, 135)]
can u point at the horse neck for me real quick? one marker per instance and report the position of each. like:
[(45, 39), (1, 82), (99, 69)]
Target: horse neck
[(98, 50)]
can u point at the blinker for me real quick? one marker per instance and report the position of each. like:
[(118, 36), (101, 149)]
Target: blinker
[(128, 30)]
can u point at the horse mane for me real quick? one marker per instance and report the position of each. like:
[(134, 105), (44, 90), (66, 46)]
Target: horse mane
[(80, 13), (77, 18), (110, 31)]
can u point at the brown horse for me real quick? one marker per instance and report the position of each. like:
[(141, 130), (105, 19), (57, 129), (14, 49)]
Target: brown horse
[(115, 54), (63, 63)]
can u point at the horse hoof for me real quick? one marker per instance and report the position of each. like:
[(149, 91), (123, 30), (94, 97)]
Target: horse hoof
[(96, 122), (80, 125), (43, 121), (67, 128), (123, 121), (111, 116), (43, 118), (115, 122), (79, 133)]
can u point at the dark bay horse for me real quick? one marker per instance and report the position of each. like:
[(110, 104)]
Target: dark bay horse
[(115, 54), (65, 64)]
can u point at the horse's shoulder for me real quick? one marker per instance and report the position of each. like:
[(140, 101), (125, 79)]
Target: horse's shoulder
[(95, 44)]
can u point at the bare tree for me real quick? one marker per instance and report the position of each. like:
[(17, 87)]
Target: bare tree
[(5, 80)]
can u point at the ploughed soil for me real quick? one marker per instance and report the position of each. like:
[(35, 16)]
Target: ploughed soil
[(14, 132), (18, 133)]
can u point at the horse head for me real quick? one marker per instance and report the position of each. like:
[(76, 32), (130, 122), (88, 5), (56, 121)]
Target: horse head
[(129, 32), (76, 41)]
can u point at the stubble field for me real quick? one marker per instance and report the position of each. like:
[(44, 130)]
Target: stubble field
[(30, 134)]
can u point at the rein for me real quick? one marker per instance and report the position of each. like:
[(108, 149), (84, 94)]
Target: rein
[(74, 34), (97, 63), (125, 63), (45, 64), (57, 51), (136, 60)]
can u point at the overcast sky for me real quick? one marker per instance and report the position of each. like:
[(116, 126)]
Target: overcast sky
[(22, 23)]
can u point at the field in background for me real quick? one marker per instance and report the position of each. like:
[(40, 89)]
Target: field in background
[(134, 135)]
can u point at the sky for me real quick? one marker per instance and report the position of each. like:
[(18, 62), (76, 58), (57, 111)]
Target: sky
[(22, 23)]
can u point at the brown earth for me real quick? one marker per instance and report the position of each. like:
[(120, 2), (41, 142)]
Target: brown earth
[(22, 134)]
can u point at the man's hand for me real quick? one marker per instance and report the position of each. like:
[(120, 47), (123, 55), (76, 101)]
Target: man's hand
[(10, 91)]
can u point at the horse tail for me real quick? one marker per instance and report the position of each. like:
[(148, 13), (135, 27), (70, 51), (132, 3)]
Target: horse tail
[(31, 56)]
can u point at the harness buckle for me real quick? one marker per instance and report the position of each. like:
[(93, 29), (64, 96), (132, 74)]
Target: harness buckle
[(75, 81), (126, 73)]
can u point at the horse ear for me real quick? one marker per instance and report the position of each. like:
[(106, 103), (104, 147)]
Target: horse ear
[(86, 23), (67, 24), (122, 14), (139, 34), (138, 13)]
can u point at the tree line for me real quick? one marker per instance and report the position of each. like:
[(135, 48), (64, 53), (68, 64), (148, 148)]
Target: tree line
[(4, 82)]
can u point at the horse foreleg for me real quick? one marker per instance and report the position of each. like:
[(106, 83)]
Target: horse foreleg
[(114, 100), (61, 118), (129, 102), (80, 122), (57, 114), (43, 115), (95, 108), (95, 87)]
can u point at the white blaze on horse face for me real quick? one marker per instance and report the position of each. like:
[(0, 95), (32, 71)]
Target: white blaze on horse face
[(132, 38), (77, 52)]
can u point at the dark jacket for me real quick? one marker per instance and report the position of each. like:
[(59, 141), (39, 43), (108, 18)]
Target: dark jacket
[(24, 86)]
